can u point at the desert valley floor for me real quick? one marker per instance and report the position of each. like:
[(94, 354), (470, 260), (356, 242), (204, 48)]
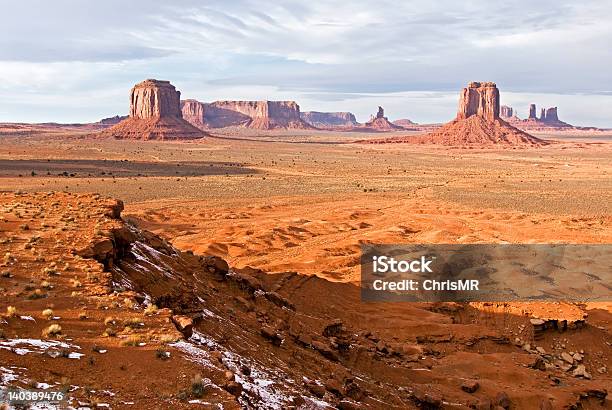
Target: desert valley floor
[(279, 202)]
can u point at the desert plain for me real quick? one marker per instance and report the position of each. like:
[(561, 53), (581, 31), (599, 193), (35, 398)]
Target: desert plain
[(271, 203)]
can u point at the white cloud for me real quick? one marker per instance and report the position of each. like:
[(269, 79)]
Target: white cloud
[(55, 53)]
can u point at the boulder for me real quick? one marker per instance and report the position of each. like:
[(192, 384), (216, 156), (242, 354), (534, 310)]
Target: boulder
[(470, 386), (184, 324)]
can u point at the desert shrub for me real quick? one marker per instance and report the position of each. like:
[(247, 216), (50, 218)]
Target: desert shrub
[(110, 321), (46, 285), (133, 340), (197, 386), (82, 316), (76, 283), (133, 322), (11, 311), (109, 332), (167, 339), (37, 294), (150, 310), (162, 354), (47, 313), (52, 330)]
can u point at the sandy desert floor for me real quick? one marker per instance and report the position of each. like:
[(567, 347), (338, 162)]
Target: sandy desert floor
[(306, 204), (274, 203)]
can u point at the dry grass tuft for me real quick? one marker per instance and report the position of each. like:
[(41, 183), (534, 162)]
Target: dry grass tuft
[(11, 311)]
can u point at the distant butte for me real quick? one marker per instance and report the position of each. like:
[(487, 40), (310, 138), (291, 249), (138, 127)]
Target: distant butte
[(478, 123), (155, 114), (381, 123)]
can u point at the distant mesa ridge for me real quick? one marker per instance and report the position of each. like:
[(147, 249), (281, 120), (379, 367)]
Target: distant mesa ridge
[(329, 119), (262, 115), (155, 114)]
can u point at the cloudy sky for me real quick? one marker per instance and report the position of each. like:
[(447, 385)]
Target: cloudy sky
[(75, 60)]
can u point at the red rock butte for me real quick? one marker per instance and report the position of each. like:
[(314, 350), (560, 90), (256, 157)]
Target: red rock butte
[(155, 114), (381, 123), (478, 121)]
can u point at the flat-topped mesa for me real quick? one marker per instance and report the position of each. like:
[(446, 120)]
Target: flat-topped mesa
[(329, 119), (155, 98), (250, 114), (481, 99)]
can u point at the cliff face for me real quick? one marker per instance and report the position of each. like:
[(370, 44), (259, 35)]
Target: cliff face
[(193, 112), (154, 98), (155, 113), (329, 119), (251, 114), (506, 112), (481, 99)]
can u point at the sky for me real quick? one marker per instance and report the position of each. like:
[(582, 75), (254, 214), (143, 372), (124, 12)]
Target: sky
[(76, 60)]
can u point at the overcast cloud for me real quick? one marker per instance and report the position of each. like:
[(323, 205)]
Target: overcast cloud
[(75, 60)]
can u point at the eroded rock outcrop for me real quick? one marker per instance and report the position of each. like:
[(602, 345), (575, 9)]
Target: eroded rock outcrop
[(532, 111), (549, 119), (155, 114), (329, 119), (381, 123)]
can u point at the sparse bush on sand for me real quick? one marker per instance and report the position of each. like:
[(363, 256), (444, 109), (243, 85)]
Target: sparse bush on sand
[(110, 321), (52, 330), (150, 310), (133, 340), (167, 339), (47, 313), (109, 332), (197, 386), (11, 311)]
